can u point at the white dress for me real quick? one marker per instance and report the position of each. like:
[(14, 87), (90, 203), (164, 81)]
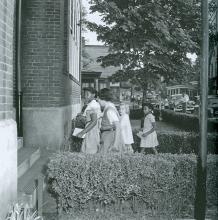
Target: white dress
[(126, 129), (126, 132), (149, 141), (91, 142)]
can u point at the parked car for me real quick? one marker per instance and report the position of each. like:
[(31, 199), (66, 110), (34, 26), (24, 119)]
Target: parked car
[(213, 106), (178, 108), (174, 102), (189, 108), (156, 103), (165, 104)]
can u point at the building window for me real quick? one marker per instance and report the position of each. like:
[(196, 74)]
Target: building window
[(88, 84), (74, 39), (84, 85), (102, 85)]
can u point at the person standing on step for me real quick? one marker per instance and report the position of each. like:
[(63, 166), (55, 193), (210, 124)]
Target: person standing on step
[(92, 112), (111, 139)]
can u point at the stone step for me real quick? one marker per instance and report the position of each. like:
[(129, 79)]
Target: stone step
[(27, 156), (28, 191), (19, 142)]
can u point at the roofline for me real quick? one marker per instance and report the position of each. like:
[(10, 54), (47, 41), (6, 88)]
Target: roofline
[(180, 86), (84, 71), (95, 45)]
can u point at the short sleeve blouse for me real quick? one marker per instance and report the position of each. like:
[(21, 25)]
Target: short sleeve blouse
[(149, 119), (92, 107)]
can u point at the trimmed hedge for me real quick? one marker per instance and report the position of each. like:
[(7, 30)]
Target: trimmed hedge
[(212, 182), (164, 184), (137, 114), (185, 121), (180, 142), (188, 122)]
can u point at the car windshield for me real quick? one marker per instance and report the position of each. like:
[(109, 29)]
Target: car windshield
[(213, 102), (179, 96)]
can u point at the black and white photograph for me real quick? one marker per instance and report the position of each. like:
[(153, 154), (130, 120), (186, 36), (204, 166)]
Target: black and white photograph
[(108, 109)]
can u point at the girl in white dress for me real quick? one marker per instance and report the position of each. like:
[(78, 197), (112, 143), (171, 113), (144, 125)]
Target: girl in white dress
[(126, 130), (148, 134)]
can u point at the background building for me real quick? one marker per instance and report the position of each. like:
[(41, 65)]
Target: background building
[(95, 75)]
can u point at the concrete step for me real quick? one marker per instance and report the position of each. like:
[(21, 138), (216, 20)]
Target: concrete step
[(28, 191), (27, 156), (20, 142)]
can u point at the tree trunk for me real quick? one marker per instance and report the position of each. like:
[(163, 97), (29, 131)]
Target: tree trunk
[(145, 87), (143, 102)]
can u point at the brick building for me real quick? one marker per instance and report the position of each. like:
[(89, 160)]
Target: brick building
[(50, 81), (39, 83)]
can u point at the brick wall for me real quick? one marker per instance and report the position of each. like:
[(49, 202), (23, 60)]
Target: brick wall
[(8, 128), (44, 79), (6, 58), (76, 91)]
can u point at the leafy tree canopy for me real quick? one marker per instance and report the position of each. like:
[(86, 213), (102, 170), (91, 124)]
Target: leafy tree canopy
[(149, 38)]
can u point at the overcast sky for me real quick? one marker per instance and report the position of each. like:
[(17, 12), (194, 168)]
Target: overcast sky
[(91, 37)]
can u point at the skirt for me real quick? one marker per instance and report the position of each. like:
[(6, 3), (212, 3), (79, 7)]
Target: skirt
[(150, 141), (91, 142)]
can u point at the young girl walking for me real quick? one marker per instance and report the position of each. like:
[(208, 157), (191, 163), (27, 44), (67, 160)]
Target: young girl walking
[(126, 130), (148, 134)]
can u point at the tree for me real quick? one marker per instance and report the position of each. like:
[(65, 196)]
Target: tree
[(149, 38), (86, 59)]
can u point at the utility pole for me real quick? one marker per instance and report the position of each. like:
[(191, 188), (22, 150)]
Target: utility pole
[(200, 198)]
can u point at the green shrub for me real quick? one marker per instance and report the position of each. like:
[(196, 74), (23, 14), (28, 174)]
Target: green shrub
[(163, 183), (212, 182), (136, 114), (179, 142), (75, 142), (187, 122)]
